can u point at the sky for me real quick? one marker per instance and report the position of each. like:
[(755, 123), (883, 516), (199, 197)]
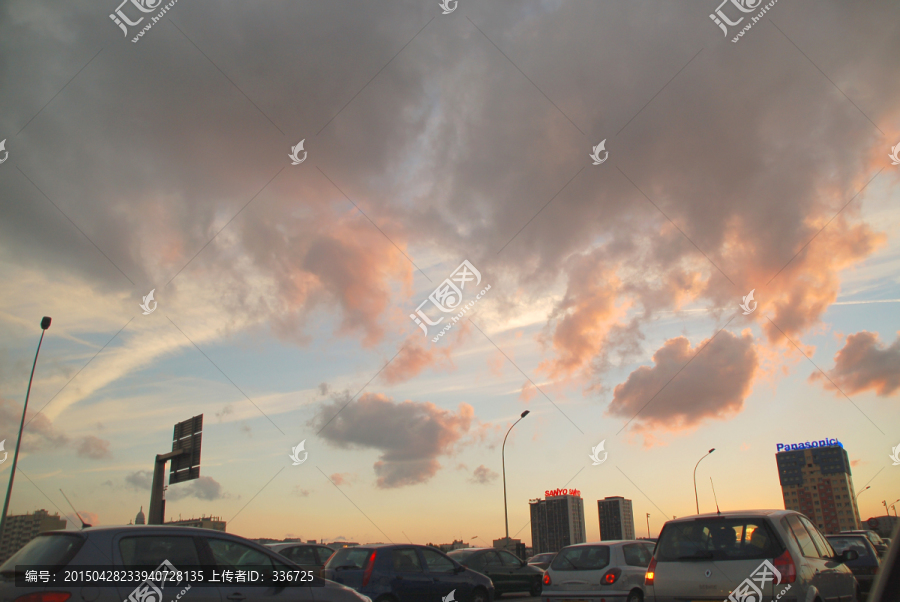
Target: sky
[(619, 177)]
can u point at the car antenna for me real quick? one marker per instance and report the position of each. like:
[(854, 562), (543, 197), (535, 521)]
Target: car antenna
[(84, 525), (719, 512)]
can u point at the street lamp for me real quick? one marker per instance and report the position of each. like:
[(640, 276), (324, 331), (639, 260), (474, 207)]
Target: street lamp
[(648, 525), (861, 492), (503, 456), (45, 324), (696, 499), (894, 506)]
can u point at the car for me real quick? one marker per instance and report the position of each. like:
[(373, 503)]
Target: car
[(131, 546), (509, 573), (887, 541), (599, 571), (310, 557), (407, 573), (749, 554), (542, 561), (887, 584), (874, 537), (865, 567)]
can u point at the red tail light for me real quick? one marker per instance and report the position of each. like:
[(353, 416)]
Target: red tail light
[(651, 572), (611, 575), (369, 566), (546, 578), (785, 566), (45, 597)]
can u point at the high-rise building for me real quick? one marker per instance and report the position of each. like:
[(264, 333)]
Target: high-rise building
[(817, 482), (616, 518), (22, 528), (557, 521), (204, 522)]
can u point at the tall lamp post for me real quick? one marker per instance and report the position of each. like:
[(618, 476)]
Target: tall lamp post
[(894, 506), (697, 499), (861, 492), (45, 324), (503, 456)]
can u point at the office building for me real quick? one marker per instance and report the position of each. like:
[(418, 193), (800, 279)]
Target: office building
[(22, 528), (817, 482), (204, 522), (557, 520), (616, 518), (513, 546), (883, 525)]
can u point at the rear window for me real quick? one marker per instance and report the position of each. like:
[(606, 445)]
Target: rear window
[(717, 539), (581, 558), (542, 558), (49, 550), (349, 558), (858, 544)]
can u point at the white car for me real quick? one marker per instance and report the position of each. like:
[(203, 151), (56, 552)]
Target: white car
[(608, 571)]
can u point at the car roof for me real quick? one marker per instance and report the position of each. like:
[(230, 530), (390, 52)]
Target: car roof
[(734, 514), (280, 545), (607, 542)]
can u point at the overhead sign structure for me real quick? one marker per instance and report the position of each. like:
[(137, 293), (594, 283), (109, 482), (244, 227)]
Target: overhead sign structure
[(186, 437)]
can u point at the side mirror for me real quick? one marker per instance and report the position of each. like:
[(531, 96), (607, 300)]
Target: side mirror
[(848, 556)]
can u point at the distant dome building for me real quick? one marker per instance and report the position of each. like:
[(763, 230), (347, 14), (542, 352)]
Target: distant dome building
[(140, 519)]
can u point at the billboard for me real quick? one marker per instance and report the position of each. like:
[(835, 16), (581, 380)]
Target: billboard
[(186, 436)]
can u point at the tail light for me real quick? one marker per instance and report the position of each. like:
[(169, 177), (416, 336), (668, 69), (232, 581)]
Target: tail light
[(369, 566), (45, 597), (546, 578), (785, 566), (651, 572), (611, 575)]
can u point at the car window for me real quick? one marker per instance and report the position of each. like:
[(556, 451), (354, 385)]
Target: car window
[(153, 550), (232, 555), (857, 544), (437, 562), (804, 539), (581, 558), (475, 562), (636, 554), (45, 550), (508, 559), (406, 561), (491, 560), (717, 538), (349, 557), (324, 554), (825, 550), (300, 554)]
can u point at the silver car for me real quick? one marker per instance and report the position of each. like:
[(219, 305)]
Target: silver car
[(758, 555), (121, 548), (608, 571)]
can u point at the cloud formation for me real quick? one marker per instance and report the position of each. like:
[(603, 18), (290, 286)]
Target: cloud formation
[(864, 363), (94, 448), (483, 475)]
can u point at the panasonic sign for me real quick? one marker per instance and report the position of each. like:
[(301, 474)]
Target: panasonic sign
[(809, 445)]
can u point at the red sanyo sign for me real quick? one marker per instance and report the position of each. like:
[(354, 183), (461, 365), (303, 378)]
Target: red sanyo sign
[(555, 492)]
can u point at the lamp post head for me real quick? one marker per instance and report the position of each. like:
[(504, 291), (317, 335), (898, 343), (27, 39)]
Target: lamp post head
[(525, 413), (712, 450), (45, 322)]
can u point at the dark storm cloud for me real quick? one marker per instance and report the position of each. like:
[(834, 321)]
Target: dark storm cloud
[(410, 435)]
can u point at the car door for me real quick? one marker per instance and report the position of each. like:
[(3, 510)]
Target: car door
[(181, 551), (820, 573), (233, 558), (305, 556), (517, 578), (445, 577), (409, 581), (840, 578), (493, 568), (636, 557)]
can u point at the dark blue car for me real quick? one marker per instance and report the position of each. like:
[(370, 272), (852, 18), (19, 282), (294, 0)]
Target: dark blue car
[(866, 566), (407, 573)]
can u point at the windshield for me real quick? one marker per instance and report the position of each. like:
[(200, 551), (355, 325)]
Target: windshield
[(460, 555), (857, 544), (48, 550), (349, 558), (581, 558), (717, 538)]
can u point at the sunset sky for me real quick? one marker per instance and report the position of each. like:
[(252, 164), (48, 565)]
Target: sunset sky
[(285, 291)]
